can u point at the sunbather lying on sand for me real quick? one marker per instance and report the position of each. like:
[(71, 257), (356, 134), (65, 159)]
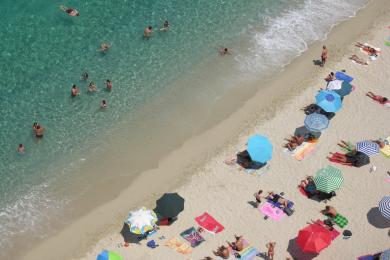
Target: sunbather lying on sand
[(277, 199), (347, 146), (294, 142), (258, 197), (330, 77), (242, 158), (238, 245), (380, 142), (223, 252), (307, 181), (381, 100), (358, 60), (329, 211), (356, 158), (370, 50)]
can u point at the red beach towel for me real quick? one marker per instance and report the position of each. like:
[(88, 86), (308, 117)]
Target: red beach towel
[(209, 223)]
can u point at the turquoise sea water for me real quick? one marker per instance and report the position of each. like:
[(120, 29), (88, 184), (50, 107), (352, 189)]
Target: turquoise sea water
[(43, 52)]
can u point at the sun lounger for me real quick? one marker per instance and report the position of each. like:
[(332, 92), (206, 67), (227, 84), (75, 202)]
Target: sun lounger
[(343, 77), (178, 246), (272, 212), (192, 236), (209, 223)]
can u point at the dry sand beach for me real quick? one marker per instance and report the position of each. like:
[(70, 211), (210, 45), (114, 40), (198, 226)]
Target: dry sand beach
[(209, 185)]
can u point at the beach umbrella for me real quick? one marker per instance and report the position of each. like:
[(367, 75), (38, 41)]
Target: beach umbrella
[(169, 205), (384, 206), (108, 255), (345, 89), (313, 238), (329, 101), (141, 221), (259, 148), (367, 147), (385, 255), (316, 122), (328, 179)]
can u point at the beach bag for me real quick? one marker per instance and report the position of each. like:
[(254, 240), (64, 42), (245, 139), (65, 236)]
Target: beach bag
[(288, 211)]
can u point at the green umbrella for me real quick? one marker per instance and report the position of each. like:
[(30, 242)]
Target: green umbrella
[(328, 179)]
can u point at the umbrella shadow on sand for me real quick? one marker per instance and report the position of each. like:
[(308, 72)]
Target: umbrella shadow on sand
[(128, 236), (303, 131), (376, 219), (295, 251)]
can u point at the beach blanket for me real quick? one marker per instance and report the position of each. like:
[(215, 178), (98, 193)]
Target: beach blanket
[(248, 253), (343, 77), (192, 236), (271, 211), (385, 151), (302, 151), (178, 246), (209, 223), (334, 85), (340, 220)]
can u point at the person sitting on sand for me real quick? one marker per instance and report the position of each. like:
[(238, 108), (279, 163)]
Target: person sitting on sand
[(347, 146), (380, 142), (329, 211), (223, 252), (276, 198), (74, 91), (223, 51), (104, 47), (70, 11), (238, 245), (243, 159), (92, 87), (21, 149), (356, 158), (358, 60), (381, 100), (330, 77), (258, 197), (371, 51), (148, 31), (271, 250)]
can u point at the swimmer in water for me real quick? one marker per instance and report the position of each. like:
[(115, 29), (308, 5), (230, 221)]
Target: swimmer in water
[(103, 104), (34, 126), (92, 87), (108, 85), (70, 11), (165, 26), (39, 131), (75, 91), (84, 76), (104, 47), (148, 31), (21, 149), (223, 51)]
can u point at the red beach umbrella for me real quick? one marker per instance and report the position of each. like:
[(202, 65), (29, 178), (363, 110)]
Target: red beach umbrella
[(313, 238)]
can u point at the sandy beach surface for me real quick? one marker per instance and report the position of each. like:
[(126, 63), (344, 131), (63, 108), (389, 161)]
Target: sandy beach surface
[(198, 171)]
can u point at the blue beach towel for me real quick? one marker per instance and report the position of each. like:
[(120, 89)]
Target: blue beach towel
[(343, 77)]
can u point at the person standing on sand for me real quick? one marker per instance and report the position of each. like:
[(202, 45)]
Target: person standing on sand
[(324, 55)]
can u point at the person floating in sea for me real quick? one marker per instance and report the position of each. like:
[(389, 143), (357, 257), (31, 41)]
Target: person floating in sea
[(103, 104), (21, 149), (324, 55), (84, 76), (108, 85), (165, 26), (70, 11), (92, 87), (223, 51), (148, 31), (74, 91), (104, 47)]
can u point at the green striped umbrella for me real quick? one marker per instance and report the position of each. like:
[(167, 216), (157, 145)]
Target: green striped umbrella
[(328, 179)]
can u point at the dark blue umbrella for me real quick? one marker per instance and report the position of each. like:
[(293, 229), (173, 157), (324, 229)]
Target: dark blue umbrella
[(345, 90), (169, 205)]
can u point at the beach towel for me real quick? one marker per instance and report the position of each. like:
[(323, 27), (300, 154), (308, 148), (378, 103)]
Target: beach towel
[(271, 211), (385, 151), (372, 57), (209, 223), (340, 220), (334, 85), (192, 236), (178, 246), (343, 77), (387, 44), (302, 151), (248, 253)]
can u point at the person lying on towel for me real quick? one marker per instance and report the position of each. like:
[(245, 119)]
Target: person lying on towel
[(276, 198)]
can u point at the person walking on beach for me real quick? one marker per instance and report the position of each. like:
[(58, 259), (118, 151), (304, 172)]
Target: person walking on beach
[(74, 91), (324, 55), (148, 31), (108, 85)]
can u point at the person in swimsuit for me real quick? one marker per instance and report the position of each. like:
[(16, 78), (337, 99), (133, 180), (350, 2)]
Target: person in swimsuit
[(223, 51), (39, 131), (34, 126), (74, 91), (92, 87), (238, 245), (370, 50), (358, 60), (271, 250), (148, 31), (276, 198), (21, 149), (381, 100), (165, 26), (70, 11), (324, 56), (329, 211), (108, 85), (104, 47), (258, 197), (223, 252), (330, 77), (84, 76), (103, 104)]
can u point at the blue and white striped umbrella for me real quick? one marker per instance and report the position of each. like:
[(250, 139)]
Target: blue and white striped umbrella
[(367, 147), (385, 255), (316, 122), (384, 206)]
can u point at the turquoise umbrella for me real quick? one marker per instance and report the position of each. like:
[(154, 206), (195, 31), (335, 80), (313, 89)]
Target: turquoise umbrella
[(259, 148), (329, 101)]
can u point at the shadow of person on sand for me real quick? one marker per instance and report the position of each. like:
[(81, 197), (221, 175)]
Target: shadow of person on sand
[(295, 251), (376, 219), (317, 62)]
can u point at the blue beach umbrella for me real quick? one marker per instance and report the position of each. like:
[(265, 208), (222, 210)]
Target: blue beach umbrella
[(329, 101), (316, 122), (345, 89), (385, 255), (259, 148), (108, 255), (367, 147), (384, 206)]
